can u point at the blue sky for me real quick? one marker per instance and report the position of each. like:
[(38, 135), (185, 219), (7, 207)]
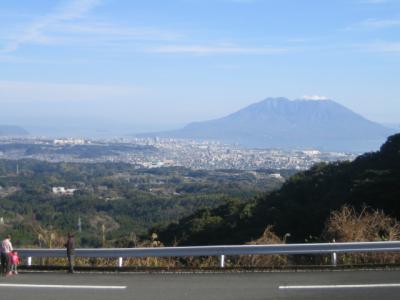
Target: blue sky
[(159, 64)]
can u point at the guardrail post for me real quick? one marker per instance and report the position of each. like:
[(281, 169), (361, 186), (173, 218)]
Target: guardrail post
[(334, 259), (120, 262), (222, 261), (334, 256), (29, 261)]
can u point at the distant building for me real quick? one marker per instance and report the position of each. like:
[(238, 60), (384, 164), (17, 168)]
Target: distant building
[(69, 142), (312, 152), (60, 190), (152, 165), (168, 162), (276, 176)]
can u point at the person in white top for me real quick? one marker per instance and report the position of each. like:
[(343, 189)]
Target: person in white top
[(6, 249)]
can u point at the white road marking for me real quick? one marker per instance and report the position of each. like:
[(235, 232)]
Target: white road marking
[(338, 286), (59, 286)]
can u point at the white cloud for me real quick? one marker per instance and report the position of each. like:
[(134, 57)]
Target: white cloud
[(67, 26), (118, 32), (7, 58), (21, 91), (314, 97), (383, 47), (375, 24), (242, 1), (228, 67), (35, 33), (219, 49), (374, 1)]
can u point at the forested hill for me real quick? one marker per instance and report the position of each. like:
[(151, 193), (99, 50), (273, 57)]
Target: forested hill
[(303, 204), (118, 197)]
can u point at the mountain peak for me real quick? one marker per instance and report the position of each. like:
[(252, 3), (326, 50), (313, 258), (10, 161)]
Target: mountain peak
[(312, 122), (11, 130), (304, 98)]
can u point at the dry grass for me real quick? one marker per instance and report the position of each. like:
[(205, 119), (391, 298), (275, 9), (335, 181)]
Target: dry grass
[(268, 237), (347, 225), (51, 239)]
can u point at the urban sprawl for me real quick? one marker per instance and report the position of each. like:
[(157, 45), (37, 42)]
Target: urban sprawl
[(163, 152)]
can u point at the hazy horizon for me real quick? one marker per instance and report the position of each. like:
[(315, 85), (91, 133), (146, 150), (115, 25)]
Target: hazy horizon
[(134, 66), (79, 124)]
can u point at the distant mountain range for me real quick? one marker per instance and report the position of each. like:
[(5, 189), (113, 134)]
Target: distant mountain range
[(294, 124), (9, 130)]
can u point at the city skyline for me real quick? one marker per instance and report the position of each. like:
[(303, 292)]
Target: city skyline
[(162, 64)]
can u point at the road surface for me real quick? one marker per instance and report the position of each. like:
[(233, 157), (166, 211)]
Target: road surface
[(326, 285)]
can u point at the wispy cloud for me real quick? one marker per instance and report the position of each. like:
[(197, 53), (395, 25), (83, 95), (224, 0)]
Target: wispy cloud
[(375, 24), (228, 67), (241, 1), (104, 31), (35, 33), (68, 26), (382, 47), (7, 58), (22, 91), (217, 49), (374, 1)]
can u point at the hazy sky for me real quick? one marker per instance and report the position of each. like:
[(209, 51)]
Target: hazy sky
[(169, 62)]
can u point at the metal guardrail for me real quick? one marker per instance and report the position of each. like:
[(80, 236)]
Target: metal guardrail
[(221, 251)]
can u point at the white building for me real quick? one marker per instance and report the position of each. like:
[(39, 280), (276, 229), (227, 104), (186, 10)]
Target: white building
[(276, 176), (60, 190), (69, 142)]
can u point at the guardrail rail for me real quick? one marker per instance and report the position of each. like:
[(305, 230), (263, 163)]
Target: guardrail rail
[(220, 251)]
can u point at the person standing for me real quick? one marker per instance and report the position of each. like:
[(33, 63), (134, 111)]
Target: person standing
[(70, 245), (6, 249), (14, 258)]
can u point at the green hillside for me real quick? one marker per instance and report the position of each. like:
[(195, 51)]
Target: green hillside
[(112, 200), (302, 206)]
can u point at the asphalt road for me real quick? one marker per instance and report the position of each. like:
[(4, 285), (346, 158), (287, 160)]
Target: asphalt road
[(326, 285)]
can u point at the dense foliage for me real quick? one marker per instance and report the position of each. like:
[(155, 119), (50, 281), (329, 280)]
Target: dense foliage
[(79, 151), (113, 200), (302, 205)]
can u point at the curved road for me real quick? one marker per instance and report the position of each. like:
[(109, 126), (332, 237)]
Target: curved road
[(326, 285)]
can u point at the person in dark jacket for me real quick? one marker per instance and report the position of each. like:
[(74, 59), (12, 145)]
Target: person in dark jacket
[(70, 245)]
